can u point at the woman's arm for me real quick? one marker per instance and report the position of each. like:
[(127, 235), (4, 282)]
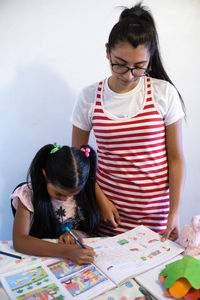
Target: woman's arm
[(176, 170), (27, 244), (109, 213), (79, 137)]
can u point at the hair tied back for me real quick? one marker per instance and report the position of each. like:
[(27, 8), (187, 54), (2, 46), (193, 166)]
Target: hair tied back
[(86, 150), (55, 148), (130, 13)]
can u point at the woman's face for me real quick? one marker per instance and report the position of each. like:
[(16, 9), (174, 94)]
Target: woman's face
[(124, 54), (59, 193)]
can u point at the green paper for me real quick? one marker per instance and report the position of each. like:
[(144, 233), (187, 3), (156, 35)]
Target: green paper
[(188, 267)]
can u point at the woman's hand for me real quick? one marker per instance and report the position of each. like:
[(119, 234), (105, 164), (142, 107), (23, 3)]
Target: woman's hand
[(173, 228), (66, 238), (109, 213), (79, 255)]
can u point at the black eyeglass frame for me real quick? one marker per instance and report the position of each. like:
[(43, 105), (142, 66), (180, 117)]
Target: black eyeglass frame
[(146, 70)]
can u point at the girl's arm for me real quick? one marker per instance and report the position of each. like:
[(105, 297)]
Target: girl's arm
[(27, 244), (109, 213), (175, 166)]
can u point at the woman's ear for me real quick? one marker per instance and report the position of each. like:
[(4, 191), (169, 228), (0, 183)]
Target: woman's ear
[(44, 173)]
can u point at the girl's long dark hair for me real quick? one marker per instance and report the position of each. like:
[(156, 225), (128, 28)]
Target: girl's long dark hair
[(67, 168), (136, 26)]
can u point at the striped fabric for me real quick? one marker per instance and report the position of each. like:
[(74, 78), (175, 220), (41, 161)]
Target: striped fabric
[(132, 165)]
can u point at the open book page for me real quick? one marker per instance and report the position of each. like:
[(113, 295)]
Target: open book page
[(130, 290), (58, 278), (133, 252)]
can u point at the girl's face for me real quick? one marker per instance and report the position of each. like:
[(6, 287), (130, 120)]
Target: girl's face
[(59, 193), (124, 54)]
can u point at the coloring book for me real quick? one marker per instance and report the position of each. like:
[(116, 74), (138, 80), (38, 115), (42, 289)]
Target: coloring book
[(118, 259)]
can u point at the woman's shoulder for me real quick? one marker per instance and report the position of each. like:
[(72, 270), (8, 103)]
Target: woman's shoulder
[(90, 87), (89, 90), (162, 85), (167, 100), (23, 193)]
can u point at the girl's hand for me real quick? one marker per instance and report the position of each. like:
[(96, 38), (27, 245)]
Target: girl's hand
[(173, 228), (109, 213), (66, 238), (79, 255)]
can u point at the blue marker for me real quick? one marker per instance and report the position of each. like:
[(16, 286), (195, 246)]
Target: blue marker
[(70, 232)]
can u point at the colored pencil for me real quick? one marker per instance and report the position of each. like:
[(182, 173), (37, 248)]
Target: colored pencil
[(10, 254), (74, 236)]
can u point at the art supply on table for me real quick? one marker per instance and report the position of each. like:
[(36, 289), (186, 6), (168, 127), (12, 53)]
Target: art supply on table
[(10, 254), (74, 236)]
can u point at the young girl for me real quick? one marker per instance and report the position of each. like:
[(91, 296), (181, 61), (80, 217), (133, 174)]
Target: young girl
[(61, 192), (136, 117)]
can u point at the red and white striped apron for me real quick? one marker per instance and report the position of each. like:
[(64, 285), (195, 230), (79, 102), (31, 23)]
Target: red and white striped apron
[(132, 165)]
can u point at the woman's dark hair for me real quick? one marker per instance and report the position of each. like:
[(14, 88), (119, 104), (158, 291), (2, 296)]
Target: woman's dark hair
[(136, 26), (67, 168)]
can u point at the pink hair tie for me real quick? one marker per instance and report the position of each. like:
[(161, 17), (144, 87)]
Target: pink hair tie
[(87, 151)]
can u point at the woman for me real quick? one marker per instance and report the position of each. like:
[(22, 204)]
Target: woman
[(136, 116)]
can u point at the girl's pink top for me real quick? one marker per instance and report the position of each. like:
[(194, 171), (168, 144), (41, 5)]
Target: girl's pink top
[(67, 208)]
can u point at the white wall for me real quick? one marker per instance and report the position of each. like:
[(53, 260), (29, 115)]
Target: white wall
[(50, 49)]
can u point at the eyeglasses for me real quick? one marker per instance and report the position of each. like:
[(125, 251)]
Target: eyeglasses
[(136, 71)]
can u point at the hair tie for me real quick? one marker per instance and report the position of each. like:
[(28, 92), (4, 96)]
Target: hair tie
[(55, 148), (87, 151)]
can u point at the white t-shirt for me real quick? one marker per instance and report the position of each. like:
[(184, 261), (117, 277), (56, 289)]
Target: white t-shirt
[(165, 98)]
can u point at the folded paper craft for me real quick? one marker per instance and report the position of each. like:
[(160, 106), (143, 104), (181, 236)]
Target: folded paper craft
[(181, 278)]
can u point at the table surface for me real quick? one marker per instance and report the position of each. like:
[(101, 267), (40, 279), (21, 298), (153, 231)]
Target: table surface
[(130, 290), (133, 289)]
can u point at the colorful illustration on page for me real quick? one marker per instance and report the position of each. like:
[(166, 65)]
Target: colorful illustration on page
[(84, 281), (62, 268), (28, 284), (50, 291)]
